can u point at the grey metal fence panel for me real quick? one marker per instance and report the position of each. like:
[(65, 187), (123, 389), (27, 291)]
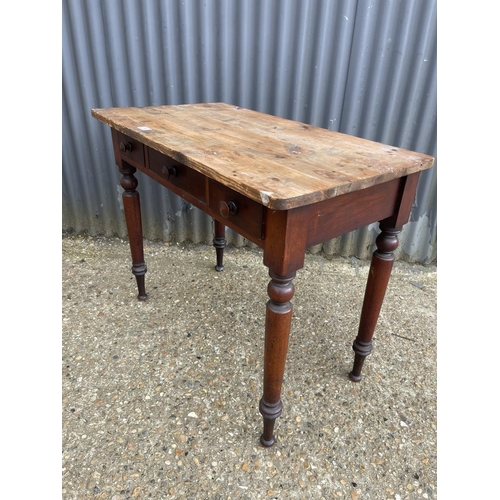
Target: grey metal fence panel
[(362, 67)]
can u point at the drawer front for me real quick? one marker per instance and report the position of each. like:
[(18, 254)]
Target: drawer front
[(130, 148), (236, 209), (178, 175)]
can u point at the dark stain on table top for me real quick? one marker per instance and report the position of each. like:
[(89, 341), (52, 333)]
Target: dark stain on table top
[(277, 162)]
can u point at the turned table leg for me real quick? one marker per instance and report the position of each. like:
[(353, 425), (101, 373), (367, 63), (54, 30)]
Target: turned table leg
[(378, 278), (278, 321), (132, 208), (219, 243)]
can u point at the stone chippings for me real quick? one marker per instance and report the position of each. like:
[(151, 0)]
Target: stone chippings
[(160, 398)]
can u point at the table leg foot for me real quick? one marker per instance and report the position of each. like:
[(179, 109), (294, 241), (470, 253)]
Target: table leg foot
[(270, 413), (139, 272), (265, 443), (361, 351), (378, 279), (132, 209), (219, 243)]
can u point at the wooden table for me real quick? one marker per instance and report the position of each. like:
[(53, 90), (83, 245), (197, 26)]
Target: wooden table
[(281, 184)]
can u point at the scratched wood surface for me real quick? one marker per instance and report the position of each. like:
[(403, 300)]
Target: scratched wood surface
[(280, 163)]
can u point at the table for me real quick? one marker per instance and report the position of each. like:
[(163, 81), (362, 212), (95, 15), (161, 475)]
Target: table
[(282, 185)]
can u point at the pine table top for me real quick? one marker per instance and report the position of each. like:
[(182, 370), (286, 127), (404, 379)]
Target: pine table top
[(277, 162)]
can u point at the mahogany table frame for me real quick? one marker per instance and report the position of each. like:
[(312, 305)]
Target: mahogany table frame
[(283, 234)]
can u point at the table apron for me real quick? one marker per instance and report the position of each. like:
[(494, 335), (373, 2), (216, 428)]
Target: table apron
[(198, 189), (335, 217), (322, 221)]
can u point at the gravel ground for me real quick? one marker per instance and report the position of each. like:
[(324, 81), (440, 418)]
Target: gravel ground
[(160, 398)]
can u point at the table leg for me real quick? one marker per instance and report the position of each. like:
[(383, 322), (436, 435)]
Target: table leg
[(278, 321), (378, 278), (132, 208), (219, 243)]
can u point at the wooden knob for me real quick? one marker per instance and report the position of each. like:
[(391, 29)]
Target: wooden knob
[(125, 147), (227, 208), (169, 171)]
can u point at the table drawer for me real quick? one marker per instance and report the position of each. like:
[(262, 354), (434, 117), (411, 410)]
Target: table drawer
[(179, 175), (236, 209), (130, 148)]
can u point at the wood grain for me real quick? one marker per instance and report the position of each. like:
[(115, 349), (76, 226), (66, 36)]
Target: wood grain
[(279, 163)]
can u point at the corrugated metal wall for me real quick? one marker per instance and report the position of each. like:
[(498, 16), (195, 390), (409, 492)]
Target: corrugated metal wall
[(362, 67)]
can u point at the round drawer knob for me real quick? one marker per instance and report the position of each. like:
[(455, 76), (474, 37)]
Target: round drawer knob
[(227, 208), (169, 171), (125, 147)]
